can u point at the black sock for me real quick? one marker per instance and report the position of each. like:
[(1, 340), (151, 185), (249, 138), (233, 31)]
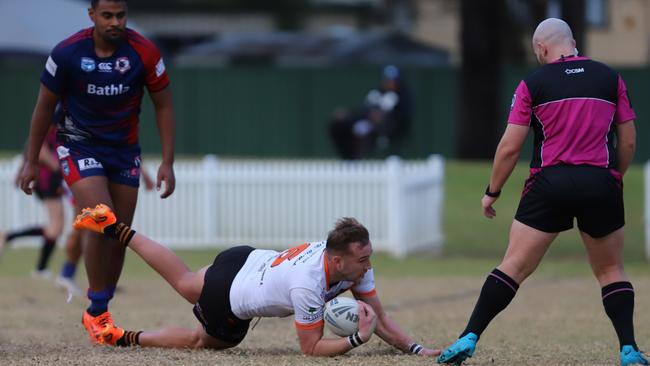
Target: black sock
[(120, 232), (497, 292), (130, 338), (46, 252), (32, 231), (618, 300)]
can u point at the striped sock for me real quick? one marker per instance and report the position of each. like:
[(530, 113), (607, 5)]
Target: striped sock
[(121, 232), (46, 252), (497, 292), (98, 302), (618, 300), (130, 338)]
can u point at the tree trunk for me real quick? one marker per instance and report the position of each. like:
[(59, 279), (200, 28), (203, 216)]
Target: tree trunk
[(573, 12), (480, 78)]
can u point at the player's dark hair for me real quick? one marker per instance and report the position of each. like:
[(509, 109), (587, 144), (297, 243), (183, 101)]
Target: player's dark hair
[(346, 231), (93, 3)]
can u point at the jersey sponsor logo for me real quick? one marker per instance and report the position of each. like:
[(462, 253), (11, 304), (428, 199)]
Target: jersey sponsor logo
[(105, 67), (160, 68), (312, 316), (51, 66), (574, 71), (107, 90), (87, 64), (65, 167), (89, 163), (122, 65), (63, 152), (131, 173)]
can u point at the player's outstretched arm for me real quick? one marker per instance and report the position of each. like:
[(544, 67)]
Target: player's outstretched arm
[(312, 342), (388, 330), (40, 124), (162, 101)]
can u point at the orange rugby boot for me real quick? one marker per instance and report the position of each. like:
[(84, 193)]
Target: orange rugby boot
[(95, 325), (111, 334), (95, 219)]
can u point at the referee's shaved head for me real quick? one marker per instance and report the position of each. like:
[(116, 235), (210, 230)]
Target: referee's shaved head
[(552, 39), (553, 31)]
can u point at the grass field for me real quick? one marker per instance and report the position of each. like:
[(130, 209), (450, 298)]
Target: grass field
[(556, 318)]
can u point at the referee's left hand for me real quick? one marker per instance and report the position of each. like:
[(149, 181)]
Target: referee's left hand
[(487, 203)]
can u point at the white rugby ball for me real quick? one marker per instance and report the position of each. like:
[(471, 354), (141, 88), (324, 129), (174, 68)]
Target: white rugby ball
[(342, 316)]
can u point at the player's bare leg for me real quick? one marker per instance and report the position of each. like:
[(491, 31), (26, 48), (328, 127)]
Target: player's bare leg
[(124, 200), (55, 216), (89, 192), (51, 232), (606, 256), (181, 337), (162, 259), (606, 259), (73, 252), (172, 337), (525, 251)]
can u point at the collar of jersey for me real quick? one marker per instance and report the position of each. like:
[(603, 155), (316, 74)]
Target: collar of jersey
[(570, 58), (327, 272)]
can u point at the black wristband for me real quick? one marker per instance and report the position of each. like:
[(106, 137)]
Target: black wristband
[(492, 194), (355, 340), (415, 348)]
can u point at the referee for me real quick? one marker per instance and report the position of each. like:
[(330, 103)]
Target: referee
[(584, 132)]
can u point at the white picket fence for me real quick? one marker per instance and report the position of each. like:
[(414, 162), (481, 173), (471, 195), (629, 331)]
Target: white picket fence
[(277, 203)]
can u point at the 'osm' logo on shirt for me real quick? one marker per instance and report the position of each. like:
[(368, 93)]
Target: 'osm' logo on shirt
[(574, 71)]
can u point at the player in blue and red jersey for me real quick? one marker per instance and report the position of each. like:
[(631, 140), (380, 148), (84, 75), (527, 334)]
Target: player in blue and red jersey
[(583, 122), (48, 191), (99, 75)]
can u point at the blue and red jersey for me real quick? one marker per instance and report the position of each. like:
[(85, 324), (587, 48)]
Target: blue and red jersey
[(573, 106), (101, 97)]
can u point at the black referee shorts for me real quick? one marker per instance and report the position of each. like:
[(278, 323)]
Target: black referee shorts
[(49, 188), (213, 309), (556, 195)]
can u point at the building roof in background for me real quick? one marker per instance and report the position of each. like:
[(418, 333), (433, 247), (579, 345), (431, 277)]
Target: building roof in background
[(307, 49), (34, 27)]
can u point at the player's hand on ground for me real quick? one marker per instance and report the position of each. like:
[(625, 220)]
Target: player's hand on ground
[(487, 203), (430, 352), (367, 321), (27, 177), (166, 174)]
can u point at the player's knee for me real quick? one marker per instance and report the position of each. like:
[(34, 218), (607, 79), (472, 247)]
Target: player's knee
[(609, 274), (53, 230), (188, 287)]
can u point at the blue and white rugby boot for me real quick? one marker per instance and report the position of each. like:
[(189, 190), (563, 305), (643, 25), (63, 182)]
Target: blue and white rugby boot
[(461, 350), (630, 356)]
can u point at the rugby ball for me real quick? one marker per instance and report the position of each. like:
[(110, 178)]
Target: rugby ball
[(342, 316)]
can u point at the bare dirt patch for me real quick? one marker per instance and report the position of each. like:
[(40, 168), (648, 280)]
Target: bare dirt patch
[(552, 321)]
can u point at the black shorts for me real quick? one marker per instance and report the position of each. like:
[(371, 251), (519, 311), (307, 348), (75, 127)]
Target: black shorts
[(50, 186), (556, 195), (213, 309)]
